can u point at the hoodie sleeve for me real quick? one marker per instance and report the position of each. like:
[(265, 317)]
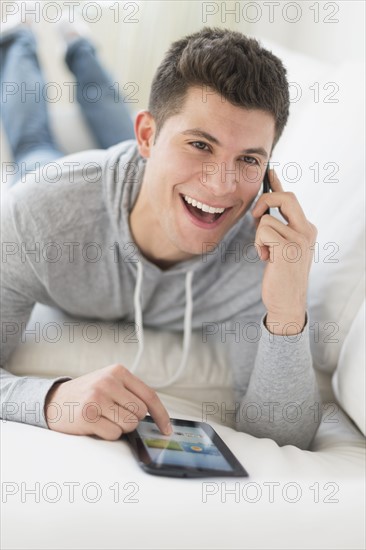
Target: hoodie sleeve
[(22, 398), (275, 384)]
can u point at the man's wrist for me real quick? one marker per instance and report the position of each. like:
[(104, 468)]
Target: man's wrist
[(285, 325)]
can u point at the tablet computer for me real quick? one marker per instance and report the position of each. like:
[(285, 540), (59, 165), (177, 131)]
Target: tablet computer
[(194, 449)]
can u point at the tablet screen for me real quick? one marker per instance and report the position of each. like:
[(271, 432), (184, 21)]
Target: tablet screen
[(188, 446)]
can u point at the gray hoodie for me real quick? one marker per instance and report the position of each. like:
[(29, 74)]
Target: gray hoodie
[(67, 243)]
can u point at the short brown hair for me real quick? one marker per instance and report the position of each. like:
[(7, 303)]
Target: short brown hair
[(228, 62)]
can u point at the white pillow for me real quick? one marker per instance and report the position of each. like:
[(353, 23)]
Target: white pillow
[(349, 379), (322, 136), (56, 344)]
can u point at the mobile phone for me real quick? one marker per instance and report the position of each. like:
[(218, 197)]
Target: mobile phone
[(194, 449), (266, 187)]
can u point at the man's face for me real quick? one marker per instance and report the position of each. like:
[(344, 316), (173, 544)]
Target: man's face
[(212, 152)]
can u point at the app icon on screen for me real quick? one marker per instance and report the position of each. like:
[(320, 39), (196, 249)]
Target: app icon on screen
[(163, 444), (199, 448)]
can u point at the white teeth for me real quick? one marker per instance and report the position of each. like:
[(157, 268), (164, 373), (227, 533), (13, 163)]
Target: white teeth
[(202, 206)]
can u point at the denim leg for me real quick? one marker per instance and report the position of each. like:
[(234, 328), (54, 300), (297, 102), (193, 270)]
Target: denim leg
[(104, 109), (24, 110)]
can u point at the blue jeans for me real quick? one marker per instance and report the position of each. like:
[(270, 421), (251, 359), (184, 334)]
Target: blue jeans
[(25, 114)]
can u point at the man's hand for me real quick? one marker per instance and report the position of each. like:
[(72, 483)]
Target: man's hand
[(107, 402), (288, 251)]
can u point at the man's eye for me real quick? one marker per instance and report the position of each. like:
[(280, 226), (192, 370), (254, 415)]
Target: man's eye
[(200, 145), (197, 145), (252, 160)]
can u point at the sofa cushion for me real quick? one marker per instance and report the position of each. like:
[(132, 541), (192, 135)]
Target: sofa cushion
[(56, 344), (349, 381), (321, 159)]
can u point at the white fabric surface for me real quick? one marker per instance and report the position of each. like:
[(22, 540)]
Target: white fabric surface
[(170, 513), (348, 381), (335, 466)]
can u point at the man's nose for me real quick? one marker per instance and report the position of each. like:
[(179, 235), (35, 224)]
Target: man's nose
[(221, 178)]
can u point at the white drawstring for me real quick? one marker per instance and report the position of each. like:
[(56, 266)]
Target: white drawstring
[(138, 316), (187, 326), (187, 333)]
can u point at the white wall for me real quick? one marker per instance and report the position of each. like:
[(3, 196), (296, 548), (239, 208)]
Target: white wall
[(133, 46), (334, 34)]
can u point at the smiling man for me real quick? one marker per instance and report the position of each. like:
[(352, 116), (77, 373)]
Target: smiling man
[(168, 213), (201, 153)]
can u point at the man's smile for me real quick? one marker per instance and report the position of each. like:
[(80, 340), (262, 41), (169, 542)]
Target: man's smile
[(204, 218), (206, 206)]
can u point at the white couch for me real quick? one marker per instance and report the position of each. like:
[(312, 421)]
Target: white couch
[(292, 498)]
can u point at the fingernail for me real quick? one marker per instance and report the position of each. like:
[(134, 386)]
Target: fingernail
[(169, 429)]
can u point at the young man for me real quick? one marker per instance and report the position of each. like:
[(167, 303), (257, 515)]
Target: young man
[(179, 197)]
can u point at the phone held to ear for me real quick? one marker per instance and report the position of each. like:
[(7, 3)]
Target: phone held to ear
[(266, 187)]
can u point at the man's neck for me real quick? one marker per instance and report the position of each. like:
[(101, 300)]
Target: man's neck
[(150, 239)]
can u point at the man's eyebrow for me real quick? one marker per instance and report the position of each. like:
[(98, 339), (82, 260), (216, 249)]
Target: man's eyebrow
[(201, 133)]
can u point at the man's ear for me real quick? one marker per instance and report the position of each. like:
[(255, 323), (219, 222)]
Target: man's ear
[(145, 129)]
